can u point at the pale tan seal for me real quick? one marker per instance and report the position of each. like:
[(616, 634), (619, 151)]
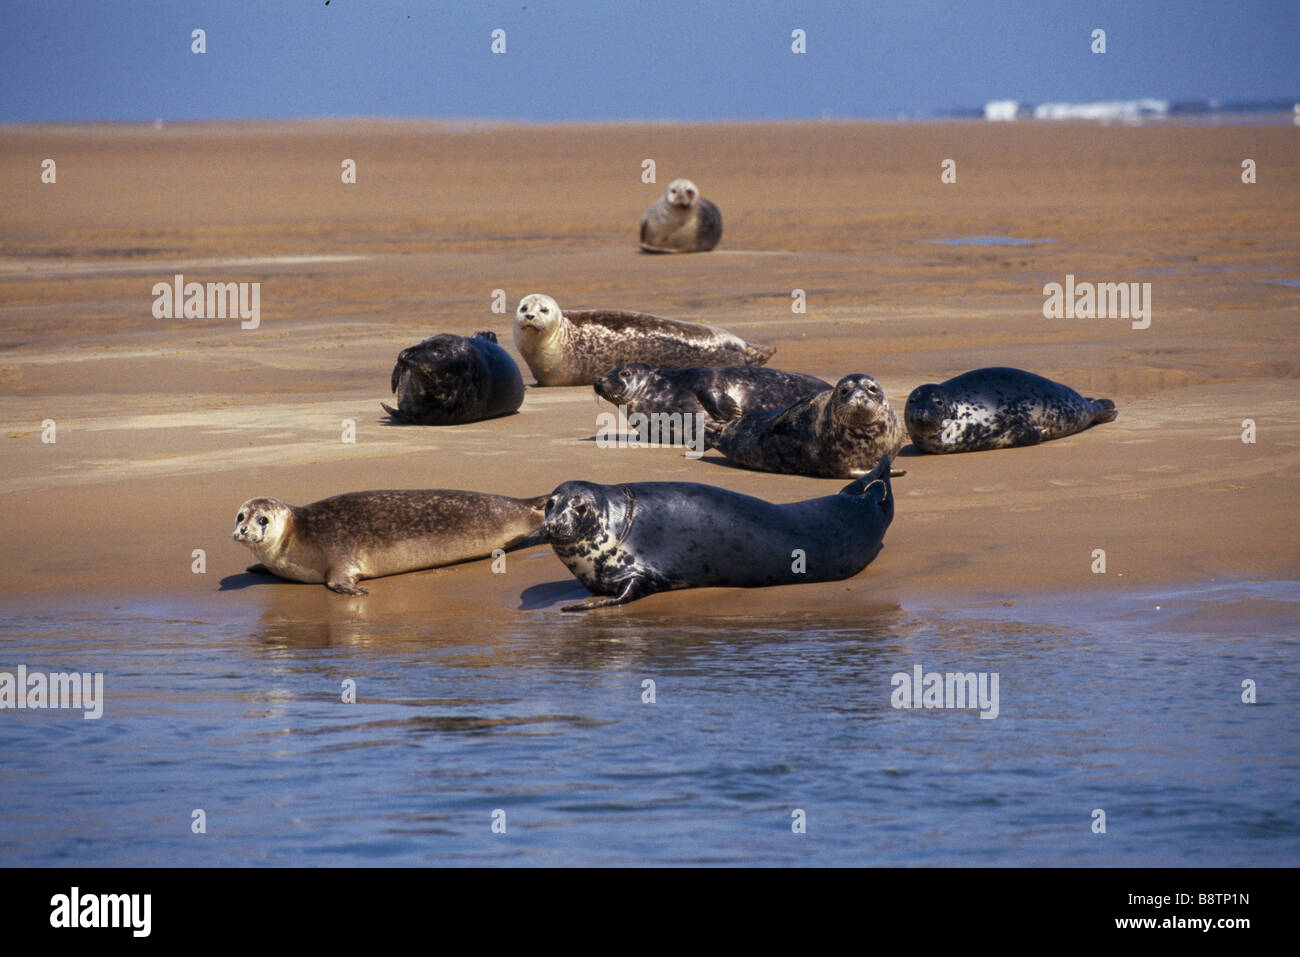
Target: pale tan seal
[(340, 540), (579, 346), (681, 222)]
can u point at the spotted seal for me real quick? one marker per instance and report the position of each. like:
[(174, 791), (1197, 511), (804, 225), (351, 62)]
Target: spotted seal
[(629, 541), (840, 433), (345, 538), (682, 221), (722, 392), (449, 379), (576, 347), (998, 408)]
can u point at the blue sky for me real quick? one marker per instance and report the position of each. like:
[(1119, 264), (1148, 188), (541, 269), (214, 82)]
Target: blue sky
[(658, 59)]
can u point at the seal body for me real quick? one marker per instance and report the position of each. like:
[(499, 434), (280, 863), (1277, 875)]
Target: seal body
[(681, 222), (345, 538), (840, 433), (721, 392), (449, 379), (628, 541), (577, 347), (998, 408)]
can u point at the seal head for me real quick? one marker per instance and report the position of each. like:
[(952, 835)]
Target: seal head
[(262, 523)]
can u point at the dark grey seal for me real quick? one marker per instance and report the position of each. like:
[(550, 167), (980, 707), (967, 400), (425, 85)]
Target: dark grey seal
[(722, 392), (840, 433), (998, 408), (450, 379), (629, 541)]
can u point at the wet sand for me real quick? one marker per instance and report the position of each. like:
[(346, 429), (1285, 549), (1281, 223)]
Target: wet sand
[(165, 426)]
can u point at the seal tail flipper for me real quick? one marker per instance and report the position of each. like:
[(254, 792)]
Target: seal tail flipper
[(880, 474), (712, 429), (538, 536), (757, 355), (1106, 411)]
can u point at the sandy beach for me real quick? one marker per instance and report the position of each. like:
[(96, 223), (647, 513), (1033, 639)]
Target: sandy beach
[(164, 426)]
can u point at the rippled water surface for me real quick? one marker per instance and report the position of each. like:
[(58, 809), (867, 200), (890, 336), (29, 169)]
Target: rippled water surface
[(1105, 703)]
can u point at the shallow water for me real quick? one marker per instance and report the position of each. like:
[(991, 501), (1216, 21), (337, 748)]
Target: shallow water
[(1105, 702)]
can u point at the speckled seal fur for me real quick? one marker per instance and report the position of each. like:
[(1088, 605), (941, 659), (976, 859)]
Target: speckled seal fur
[(840, 433), (628, 541), (722, 392), (998, 408), (450, 379), (682, 221), (340, 540), (577, 347)]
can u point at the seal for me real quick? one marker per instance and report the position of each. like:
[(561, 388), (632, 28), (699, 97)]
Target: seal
[(998, 408), (682, 221), (840, 433), (721, 392), (345, 538), (449, 379), (576, 347), (629, 541)]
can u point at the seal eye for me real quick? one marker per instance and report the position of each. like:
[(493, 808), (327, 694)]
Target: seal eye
[(262, 521), (239, 519), (545, 309)]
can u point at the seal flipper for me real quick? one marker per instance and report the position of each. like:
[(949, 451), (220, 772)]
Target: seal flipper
[(344, 582), (1023, 434), (719, 405), (259, 569), (634, 589), (397, 416), (1106, 411), (757, 355)]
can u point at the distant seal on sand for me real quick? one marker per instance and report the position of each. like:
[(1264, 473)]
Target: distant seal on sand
[(576, 347), (628, 541), (681, 222), (839, 433), (449, 379), (342, 539), (998, 408), (722, 392)]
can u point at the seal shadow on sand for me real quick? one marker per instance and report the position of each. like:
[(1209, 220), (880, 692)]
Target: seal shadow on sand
[(547, 595), (387, 421), (242, 580)]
